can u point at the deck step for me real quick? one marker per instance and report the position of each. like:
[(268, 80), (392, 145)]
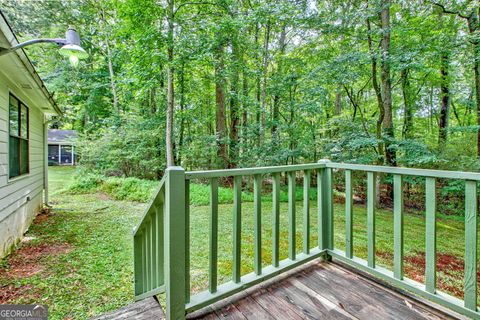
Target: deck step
[(146, 309)]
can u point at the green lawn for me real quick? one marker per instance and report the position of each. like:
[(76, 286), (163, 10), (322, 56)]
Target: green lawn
[(83, 249)]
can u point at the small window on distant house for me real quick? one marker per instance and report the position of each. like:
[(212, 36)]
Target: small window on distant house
[(18, 140)]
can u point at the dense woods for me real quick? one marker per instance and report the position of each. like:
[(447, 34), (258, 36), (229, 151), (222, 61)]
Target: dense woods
[(224, 84)]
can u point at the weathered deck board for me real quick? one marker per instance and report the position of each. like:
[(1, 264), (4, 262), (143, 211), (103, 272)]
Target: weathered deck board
[(318, 291), (325, 291), (147, 309)]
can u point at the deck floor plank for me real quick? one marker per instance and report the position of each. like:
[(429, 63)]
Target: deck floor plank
[(230, 312), (251, 309), (317, 291), (326, 291), (277, 306), (374, 298), (311, 306)]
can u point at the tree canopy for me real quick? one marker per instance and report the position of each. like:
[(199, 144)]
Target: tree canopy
[(226, 83)]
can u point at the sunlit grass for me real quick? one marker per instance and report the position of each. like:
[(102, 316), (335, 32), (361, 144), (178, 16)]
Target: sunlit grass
[(96, 276)]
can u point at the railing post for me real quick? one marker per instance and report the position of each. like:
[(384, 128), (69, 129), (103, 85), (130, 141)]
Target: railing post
[(175, 245), (471, 209), (325, 207)]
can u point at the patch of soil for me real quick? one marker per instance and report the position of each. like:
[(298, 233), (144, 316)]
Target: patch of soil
[(42, 216), (450, 270), (385, 255), (26, 261), (10, 293), (103, 196)]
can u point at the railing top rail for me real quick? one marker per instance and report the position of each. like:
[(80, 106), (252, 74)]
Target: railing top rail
[(251, 171), (150, 204), (475, 176)]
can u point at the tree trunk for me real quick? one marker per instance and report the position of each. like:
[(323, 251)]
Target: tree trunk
[(378, 95), (388, 129), (338, 101), (112, 78), (445, 103), (234, 112), (258, 109), (111, 72), (264, 82), (244, 135), (170, 88), (407, 105), (220, 106), (182, 111), (473, 27), (276, 97)]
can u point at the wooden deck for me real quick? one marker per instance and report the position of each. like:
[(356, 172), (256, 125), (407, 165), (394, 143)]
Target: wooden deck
[(319, 291), (325, 291)]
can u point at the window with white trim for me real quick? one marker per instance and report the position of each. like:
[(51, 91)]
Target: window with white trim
[(18, 153)]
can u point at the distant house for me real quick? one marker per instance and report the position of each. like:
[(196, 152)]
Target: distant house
[(61, 147), (25, 108)]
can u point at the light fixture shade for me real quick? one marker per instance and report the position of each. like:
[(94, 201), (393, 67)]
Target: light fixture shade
[(73, 49)]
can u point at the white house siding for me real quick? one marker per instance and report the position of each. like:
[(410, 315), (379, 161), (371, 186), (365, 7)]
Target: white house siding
[(20, 198)]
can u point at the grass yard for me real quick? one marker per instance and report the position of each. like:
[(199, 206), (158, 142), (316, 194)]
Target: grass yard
[(78, 257)]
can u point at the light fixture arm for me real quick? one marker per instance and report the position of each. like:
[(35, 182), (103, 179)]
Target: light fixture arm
[(59, 42)]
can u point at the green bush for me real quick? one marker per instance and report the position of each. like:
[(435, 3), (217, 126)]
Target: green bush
[(141, 190), (130, 147)]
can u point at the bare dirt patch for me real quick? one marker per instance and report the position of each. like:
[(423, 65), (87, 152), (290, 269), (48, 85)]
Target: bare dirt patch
[(450, 270), (10, 293), (42, 216), (103, 196), (27, 261)]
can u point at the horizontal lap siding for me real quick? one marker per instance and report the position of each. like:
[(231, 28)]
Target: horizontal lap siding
[(20, 197)]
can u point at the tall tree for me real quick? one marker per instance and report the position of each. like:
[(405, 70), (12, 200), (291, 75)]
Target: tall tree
[(388, 127)]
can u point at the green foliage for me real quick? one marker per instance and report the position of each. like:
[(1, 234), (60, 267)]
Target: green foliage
[(291, 82), (129, 147), (131, 189)]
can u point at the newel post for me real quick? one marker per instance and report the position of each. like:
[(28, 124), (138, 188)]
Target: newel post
[(325, 206), (175, 245)]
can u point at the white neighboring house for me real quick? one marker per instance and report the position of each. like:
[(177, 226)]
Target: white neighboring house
[(25, 105), (61, 147)]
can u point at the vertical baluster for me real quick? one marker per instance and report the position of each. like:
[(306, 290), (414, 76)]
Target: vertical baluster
[(320, 207), (348, 215), (187, 241), (137, 251), (148, 255), (257, 204), (237, 227), (291, 216), (144, 261), (160, 244), (470, 245), (275, 219), (371, 194), (306, 212), (153, 250), (430, 235), (213, 256), (398, 226)]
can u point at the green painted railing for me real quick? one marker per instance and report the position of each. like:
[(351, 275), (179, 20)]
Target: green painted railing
[(162, 241)]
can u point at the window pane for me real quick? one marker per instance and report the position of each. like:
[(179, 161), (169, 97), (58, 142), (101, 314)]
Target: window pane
[(24, 157), (14, 160), (66, 154), (24, 122), (14, 123), (53, 154)]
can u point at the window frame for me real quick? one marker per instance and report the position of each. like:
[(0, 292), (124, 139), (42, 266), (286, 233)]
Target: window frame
[(18, 135)]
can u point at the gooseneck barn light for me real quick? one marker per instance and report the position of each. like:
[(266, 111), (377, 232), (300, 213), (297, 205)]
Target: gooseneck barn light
[(70, 46)]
